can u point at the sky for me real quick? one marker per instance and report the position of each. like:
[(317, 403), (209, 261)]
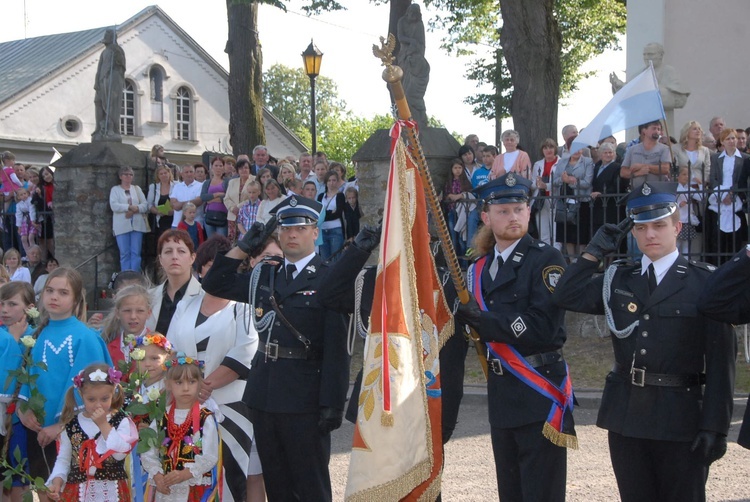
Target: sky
[(345, 38)]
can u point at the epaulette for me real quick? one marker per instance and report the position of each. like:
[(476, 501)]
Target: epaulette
[(623, 262), (702, 265)]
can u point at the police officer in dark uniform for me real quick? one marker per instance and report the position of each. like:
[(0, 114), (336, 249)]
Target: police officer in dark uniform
[(513, 313), (726, 298), (297, 384), (665, 427)]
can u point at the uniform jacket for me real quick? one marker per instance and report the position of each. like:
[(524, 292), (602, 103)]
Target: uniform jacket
[(521, 297), (290, 385), (672, 338)]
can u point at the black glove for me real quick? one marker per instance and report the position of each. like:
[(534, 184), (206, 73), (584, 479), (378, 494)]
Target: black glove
[(469, 313), (368, 238), (330, 420), (253, 241), (607, 239), (711, 445)]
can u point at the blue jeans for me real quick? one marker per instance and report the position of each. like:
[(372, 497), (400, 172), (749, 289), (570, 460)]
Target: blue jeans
[(130, 250), (210, 230), (472, 225), (458, 243), (333, 240)]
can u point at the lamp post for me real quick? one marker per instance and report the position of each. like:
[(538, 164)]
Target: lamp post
[(312, 58)]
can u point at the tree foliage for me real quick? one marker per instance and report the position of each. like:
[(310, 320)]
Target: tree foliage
[(587, 28), (286, 94)]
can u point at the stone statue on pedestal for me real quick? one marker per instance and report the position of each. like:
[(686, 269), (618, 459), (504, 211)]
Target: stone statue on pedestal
[(110, 80), (674, 94), (410, 31)]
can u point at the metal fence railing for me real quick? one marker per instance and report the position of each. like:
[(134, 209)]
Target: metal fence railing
[(718, 222)]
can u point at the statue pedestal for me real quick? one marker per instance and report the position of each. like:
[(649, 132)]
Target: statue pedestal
[(84, 177), (373, 164)]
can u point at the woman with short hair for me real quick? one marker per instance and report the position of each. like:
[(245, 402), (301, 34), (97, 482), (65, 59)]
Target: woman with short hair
[(129, 223)]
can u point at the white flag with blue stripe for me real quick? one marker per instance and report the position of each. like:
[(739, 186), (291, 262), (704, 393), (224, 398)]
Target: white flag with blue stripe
[(637, 102)]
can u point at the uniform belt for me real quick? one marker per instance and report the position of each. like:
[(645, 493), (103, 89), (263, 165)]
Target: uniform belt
[(640, 377), (273, 351), (534, 360)]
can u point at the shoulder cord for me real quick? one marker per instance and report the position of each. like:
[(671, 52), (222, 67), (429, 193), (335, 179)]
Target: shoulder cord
[(266, 321), (359, 284), (609, 274)]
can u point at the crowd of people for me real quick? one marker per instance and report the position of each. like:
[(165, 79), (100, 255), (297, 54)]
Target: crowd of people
[(249, 248), (575, 193)]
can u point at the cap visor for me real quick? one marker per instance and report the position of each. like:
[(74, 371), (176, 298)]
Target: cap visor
[(649, 214)]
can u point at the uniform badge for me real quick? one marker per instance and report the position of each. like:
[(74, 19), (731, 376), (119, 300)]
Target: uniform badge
[(550, 276), (293, 202), (646, 190), (310, 268), (510, 180), (632, 307), (258, 312), (518, 327)]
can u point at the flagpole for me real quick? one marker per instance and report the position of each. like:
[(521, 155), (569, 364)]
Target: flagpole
[(392, 75), (672, 161)]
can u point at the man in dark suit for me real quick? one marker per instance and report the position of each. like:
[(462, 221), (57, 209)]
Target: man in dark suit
[(726, 298), (297, 384), (664, 429), (512, 311)]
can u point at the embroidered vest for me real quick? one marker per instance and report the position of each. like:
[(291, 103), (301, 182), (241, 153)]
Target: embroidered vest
[(112, 469), (187, 451)]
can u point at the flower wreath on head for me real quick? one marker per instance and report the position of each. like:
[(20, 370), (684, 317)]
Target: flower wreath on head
[(179, 359), (150, 338), (112, 376)]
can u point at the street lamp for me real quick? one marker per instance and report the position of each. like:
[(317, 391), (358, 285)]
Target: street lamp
[(312, 58)]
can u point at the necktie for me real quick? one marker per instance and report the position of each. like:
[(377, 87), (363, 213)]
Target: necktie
[(496, 264), (651, 278), (290, 270)]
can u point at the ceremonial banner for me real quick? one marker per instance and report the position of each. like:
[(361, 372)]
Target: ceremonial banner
[(636, 103), (397, 445)]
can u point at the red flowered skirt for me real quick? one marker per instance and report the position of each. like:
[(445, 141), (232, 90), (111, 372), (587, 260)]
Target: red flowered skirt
[(196, 492), (71, 491)]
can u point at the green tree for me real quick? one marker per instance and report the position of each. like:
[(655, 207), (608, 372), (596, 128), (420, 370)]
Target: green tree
[(537, 50), (286, 94)]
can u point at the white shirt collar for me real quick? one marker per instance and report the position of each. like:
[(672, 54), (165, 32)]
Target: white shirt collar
[(661, 266), (300, 264), (505, 255), (736, 153)]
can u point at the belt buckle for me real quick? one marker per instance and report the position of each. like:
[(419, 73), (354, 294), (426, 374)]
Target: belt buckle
[(272, 351), (496, 366), (638, 377)]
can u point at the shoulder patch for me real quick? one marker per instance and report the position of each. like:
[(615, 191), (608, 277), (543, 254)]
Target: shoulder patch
[(703, 265), (551, 275)]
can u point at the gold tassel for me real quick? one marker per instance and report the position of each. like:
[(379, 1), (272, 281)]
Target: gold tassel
[(386, 419), (559, 438)]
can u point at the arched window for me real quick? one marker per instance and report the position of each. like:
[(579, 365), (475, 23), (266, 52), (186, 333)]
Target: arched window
[(127, 113), (183, 113)]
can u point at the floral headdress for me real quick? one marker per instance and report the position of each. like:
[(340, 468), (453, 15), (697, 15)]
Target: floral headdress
[(179, 359), (151, 338), (112, 376)]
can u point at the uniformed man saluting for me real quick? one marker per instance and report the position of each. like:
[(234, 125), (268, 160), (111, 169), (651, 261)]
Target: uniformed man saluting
[(664, 429), (529, 392), (297, 384)]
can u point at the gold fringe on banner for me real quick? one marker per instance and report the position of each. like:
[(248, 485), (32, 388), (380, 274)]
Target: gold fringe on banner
[(386, 419), (559, 438)]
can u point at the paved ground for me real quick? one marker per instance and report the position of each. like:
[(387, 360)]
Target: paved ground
[(469, 473)]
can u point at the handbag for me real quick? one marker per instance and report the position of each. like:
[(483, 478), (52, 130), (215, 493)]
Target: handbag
[(216, 218), (566, 212)]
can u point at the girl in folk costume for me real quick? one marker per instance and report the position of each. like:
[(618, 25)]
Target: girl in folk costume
[(184, 466), (66, 345), (91, 462), (150, 351), (128, 317)]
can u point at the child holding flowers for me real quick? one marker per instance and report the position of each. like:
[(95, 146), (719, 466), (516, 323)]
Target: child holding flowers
[(150, 352), (182, 467), (91, 462), (64, 345)]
